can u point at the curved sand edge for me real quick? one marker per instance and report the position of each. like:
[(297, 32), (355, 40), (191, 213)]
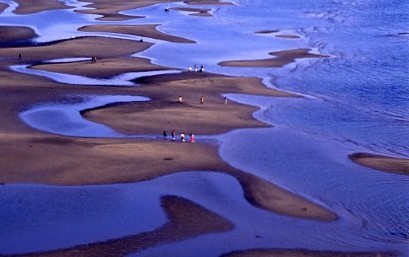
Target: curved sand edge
[(186, 219), (382, 163), (27, 148), (304, 253), (10, 34), (30, 7), (110, 12), (149, 31), (163, 112), (202, 12), (281, 59)]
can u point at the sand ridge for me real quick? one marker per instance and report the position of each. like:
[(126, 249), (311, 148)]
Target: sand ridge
[(382, 163), (147, 30), (64, 159), (281, 58)]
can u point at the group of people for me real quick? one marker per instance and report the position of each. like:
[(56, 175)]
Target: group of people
[(182, 137), (196, 68), (202, 100)]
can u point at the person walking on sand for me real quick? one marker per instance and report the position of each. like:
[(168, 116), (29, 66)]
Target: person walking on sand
[(201, 69), (225, 100), (191, 138), (180, 99), (164, 134), (173, 135), (201, 100), (182, 137)]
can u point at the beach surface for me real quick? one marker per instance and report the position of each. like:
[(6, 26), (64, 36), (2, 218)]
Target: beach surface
[(30, 156)]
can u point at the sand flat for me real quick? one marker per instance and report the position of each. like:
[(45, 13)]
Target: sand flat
[(281, 59), (304, 253), (149, 31), (100, 47), (203, 12), (34, 6), (109, 161), (111, 12), (382, 163), (186, 219), (15, 33), (164, 113)]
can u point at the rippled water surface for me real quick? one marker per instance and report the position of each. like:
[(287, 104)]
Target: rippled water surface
[(355, 101)]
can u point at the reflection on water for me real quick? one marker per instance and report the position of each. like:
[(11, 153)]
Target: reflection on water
[(358, 101), (65, 119), (119, 210)]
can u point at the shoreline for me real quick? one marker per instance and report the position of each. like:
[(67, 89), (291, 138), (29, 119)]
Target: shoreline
[(155, 87), (382, 163), (280, 59), (110, 161)]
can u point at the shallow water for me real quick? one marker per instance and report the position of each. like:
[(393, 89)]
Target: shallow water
[(356, 101), (66, 119)]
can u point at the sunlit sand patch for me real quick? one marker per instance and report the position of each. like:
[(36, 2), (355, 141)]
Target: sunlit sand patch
[(288, 36), (121, 70), (111, 12), (29, 7), (304, 253), (66, 119), (207, 2), (148, 31), (15, 34), (100, 47), (279, 34), (281, 59), (382, 163), (185, 219), (194, 11)]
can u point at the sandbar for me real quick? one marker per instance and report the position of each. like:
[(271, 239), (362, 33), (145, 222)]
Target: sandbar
[(164, 113), (31, 156), (207, 2), (11, 34), (267, 31), (150, 31), (281, 58), (304, 253), (288, 36), (34, 6), (382, 163), (186, 219), (194, 11), (111, 12)]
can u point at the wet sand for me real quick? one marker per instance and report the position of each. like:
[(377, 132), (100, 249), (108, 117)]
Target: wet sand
[(194, 11), (16, 33), (382, 163), (286, 36), (303, 253), (110, 12), (68, 157), (108, 161), (280, 59), (34, 6), (186, 219), (3, 7), (164, 112), (137, 30)]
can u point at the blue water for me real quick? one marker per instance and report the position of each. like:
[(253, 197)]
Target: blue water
[(355, 101)]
